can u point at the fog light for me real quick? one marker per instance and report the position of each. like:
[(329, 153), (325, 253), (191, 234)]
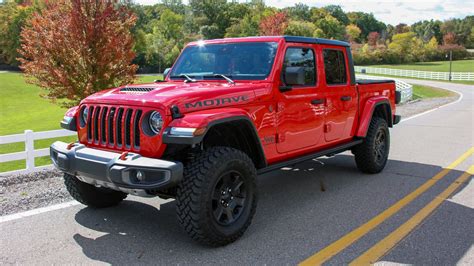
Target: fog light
[(140, 175)]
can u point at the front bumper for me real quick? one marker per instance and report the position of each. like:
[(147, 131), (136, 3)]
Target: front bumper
[(132, 174)]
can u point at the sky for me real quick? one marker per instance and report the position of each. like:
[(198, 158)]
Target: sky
[(390, 12)]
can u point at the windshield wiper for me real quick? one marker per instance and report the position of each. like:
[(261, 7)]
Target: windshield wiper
[(225, 77), (187, 78)]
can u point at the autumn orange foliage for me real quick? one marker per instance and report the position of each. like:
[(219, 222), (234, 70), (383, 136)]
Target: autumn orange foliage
[(274, 25), (74, 48)]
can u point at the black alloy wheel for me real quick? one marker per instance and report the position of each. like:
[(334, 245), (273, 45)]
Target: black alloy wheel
[(380, 145), (229, 198)]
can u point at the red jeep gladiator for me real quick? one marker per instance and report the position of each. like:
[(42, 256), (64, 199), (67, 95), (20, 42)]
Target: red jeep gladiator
[(227, 111)]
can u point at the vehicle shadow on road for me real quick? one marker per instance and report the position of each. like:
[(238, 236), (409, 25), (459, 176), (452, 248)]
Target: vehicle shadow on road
[(301, 210)]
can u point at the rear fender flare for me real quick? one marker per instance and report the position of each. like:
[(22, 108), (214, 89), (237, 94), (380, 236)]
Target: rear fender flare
[(368, 113)]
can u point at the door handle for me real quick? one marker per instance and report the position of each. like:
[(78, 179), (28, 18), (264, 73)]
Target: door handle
[(346, 98), (317, 101)]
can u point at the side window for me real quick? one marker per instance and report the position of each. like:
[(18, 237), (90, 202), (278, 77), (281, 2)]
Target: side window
[(334, 66), (301, 57)]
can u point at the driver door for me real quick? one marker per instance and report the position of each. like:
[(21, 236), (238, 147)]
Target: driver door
[(301, 106)]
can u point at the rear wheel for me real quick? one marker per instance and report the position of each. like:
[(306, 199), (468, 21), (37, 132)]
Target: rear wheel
[(371, 156), (217, 198), (90, 195)]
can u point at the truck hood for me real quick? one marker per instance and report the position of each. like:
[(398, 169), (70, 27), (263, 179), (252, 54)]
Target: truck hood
[(187, 96)]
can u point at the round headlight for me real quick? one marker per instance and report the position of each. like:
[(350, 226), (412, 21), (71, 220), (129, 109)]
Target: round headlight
[(85, 112), (155, 122)]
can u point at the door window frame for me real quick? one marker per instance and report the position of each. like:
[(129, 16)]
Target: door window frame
[(345, 64), (316, 80)]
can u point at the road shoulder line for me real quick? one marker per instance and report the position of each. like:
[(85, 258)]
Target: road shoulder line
[(461, 96), (24, 214)]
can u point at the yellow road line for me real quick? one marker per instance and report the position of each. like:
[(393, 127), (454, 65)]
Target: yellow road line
[(328, 252), (386, 244)]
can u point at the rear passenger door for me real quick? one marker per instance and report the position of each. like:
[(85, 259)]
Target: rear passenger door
[(341, 99)]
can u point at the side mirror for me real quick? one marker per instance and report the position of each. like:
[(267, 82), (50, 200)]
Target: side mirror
[(293, 76), (165, 73)]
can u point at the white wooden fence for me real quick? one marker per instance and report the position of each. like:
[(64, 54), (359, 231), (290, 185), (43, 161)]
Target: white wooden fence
[(415, 73), (29, 154)]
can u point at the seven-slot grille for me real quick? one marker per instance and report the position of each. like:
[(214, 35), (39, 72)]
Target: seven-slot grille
[(110, 126)]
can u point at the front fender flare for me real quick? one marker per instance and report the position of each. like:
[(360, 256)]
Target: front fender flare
[(204, 119), (209, 118)]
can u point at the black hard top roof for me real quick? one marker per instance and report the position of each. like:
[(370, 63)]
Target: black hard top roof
[(315, 40)]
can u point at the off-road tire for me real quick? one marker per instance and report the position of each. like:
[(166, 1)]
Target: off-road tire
[(195, 201), (366, 153), (90, 195)]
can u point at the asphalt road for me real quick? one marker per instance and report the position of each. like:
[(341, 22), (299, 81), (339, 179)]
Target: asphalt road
[(303, 211)]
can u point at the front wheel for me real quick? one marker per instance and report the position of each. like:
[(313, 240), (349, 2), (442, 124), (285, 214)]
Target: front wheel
[(217, 198), (90, 195), (371, 156)]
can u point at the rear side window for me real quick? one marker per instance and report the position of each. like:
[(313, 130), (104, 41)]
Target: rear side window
[(334, 66), (301, 57)]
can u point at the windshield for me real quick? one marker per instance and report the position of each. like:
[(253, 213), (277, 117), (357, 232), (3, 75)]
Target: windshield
[(238, 61)]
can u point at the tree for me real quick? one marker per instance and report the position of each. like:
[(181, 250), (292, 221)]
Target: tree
[(373, 38), (331, 27), (273, 24), (449, 38), (338, 13), (431, 48), (366, 22), (402, 44), (448, 26), (170, 25), (249, 24), (470, 40), (318, 14), (75, 48), (165, 41), (461, 28), (402, 28), (352, 32), (215, 14), (298, 12), (428, 29), (300, 28), (12, 18), (176, 6), (318, 33)]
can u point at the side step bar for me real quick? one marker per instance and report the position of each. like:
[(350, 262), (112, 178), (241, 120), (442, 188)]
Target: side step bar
[(334, 150)]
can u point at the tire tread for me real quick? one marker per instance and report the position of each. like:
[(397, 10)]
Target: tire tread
[(91, 196), (188, 200), (363, 152)]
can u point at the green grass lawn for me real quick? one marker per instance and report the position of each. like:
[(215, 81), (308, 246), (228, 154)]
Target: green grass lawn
[(22, 108), (420, 92), (439, 66)]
